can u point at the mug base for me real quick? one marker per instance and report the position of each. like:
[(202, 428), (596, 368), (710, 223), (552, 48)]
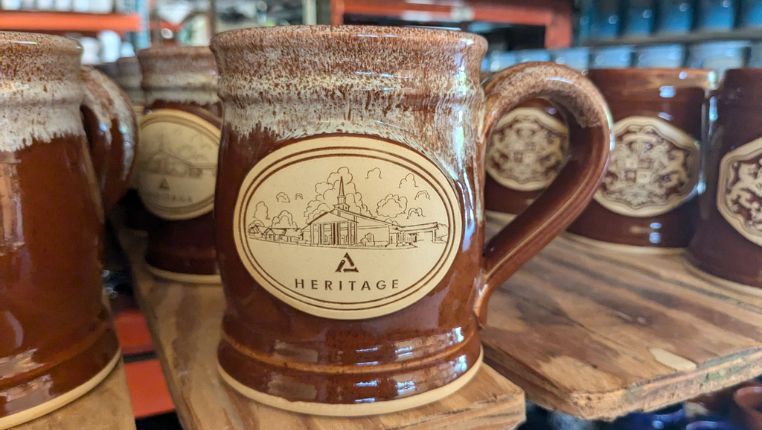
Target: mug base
[(620, 247), (185, 278), (722, 282), (355, 409), (62, 400)]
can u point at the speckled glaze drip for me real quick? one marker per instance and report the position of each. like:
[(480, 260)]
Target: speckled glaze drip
[(40, 90), (349, 83), (100, 95), (179, 74), (129, 77)]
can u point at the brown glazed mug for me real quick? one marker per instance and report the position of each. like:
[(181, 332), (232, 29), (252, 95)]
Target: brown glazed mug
[(728, 242), (111, 129), (349, 209), (177, 164), (56, 338), (525, 152), (648, 197)]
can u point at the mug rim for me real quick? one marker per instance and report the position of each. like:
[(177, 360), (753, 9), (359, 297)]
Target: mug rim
[(39, 41), (304, 33), (643, 71)]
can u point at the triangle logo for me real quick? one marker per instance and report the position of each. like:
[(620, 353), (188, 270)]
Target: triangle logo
[(164, 185), (346, 264)]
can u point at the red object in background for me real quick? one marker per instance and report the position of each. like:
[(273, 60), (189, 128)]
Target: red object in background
[(148, 389), (554, 15), (132, 331)]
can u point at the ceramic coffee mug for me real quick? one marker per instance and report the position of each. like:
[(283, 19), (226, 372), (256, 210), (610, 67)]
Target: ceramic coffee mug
[(648, 195), (525, 152), (728, 243), (349, 209), (56, 339), (111, 130), (180, 135)]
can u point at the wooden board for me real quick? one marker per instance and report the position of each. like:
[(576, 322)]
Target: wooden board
[(599, 333), (107, 407), (185, 322)]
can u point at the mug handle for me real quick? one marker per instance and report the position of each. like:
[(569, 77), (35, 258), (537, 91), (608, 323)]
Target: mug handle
[(111, 127), (590, 142)]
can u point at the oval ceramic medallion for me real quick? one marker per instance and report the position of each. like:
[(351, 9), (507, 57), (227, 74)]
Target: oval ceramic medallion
[(177, 164), (653, 168), (347, 227), (739, 190), (527, 149)]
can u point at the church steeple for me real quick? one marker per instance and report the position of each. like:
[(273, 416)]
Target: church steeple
[(341, 199)]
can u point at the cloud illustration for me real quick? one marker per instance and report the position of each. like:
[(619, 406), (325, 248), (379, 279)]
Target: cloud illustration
[(284, 220), (326, 195), (408, 182), (391, 206), (374, 173), (261, 212), (282, 197), (415, 213), (423, 194)]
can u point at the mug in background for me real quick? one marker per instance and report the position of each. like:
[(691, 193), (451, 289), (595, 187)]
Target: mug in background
[(177, 164), (728, 242), (349, 209), (111, 130), (526, 150), (56, 338), (648, 194)]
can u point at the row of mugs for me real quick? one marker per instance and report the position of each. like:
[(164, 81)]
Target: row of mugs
[(675, 135), (340, 198), (346, 180)]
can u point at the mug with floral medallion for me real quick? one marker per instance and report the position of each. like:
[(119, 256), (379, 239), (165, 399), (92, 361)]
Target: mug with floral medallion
[(647, 201), (177, 164), (525, 152), (350, 212), (56, 337), (727, 247)]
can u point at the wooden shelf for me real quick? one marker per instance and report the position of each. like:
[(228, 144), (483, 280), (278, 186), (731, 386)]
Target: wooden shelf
[(599, 333), (185, 323), (687, 38), (107, 407), (554, 15), (68, 21)]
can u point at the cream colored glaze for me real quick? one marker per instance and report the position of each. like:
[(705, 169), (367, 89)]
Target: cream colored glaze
[(398, 76), (102, 99), (33, 105), (129, 78), (178, 74)]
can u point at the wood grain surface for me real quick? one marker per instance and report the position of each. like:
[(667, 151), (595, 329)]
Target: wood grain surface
[(185, 323), (598, 333), (106, 407)]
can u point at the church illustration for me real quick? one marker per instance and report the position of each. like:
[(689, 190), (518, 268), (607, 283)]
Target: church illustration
[(340, 227), (164, 162)]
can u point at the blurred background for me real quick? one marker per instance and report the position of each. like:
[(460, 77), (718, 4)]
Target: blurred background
[(717, 34), (714, 34)]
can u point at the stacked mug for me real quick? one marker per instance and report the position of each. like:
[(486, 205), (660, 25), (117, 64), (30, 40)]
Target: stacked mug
[(67, 148)]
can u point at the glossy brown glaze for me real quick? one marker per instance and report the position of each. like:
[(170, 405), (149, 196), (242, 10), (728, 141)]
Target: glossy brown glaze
[(181, 246), (111, 129), (748, 407), (55, 333), (670, 96), (718, 248), (509, 199), (284, 86)]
